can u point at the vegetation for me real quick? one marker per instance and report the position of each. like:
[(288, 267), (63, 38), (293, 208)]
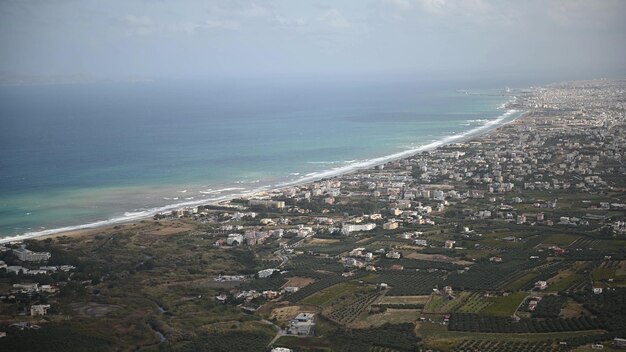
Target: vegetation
[(486, 323)]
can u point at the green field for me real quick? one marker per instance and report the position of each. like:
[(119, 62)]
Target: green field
[(504, 306), (517, 284), (325, 296), (438, 337), (603, 273), (563, 283), (561, 239), (439, 304), (474, 304)]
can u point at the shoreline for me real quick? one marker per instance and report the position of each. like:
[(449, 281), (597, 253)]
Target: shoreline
[(133, 218)]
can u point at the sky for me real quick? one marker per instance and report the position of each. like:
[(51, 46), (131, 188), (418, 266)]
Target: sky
[(150, 39)]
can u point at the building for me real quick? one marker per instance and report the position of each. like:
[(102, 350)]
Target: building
[(27, 287), (26, 255), (234, 239), (348, 228), (266, 273), (393, 255), (619, 342), (420, 242), (302, 325), (39, 309), (267, 203), (291, 289), (392, 225), (449, 244), (271, 294)]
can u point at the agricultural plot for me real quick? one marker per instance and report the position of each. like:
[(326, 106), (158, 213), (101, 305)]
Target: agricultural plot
[(440, 304), (563, 282), (610, 272), (307, 264), (544, 272), (334, 249), (521, 282), (500, 346), (394, 337), (549, 307), (495, 324), (473, 304), (331, 293), (298, 281), (404, 300), (270, 283), (389, 316), (562, 240), (504, 305), (409, 283), (603, 273), (287, 313), (409, 264), (399, 306), (480, 277), (314, 288), (348, 312), (610, 306)]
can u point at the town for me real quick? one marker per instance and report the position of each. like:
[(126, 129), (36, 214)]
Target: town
[(514, 240)]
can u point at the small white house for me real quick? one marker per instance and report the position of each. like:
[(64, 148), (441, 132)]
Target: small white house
[(39, 309)]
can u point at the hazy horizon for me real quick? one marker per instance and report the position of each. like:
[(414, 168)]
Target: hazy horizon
[(66, 41)]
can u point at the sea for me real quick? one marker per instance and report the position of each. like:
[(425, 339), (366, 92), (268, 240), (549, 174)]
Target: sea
[(84, 155)]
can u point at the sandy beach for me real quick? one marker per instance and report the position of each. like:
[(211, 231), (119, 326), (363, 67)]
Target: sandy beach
[(140, 220)]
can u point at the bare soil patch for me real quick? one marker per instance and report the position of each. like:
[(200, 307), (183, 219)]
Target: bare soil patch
[(437, 258), (299, 282)]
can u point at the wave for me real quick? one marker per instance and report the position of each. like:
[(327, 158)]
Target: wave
[(347, 167), (332, 162), (217, 191), (133, 216), (368, 163)]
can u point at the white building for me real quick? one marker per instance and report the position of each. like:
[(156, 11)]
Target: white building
[(26, 255), (302, 324), (392, 225), (39, 309), (234, 239), (421, 242), (348, 228), (266, 273), (449, 244)]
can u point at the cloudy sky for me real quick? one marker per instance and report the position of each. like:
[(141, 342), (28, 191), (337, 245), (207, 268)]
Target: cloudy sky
[(177, 38)]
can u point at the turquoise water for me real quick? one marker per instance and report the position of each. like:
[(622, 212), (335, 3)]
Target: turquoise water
[(79, 154)]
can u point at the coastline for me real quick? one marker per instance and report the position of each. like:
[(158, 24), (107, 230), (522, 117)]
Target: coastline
[(134, 218)]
